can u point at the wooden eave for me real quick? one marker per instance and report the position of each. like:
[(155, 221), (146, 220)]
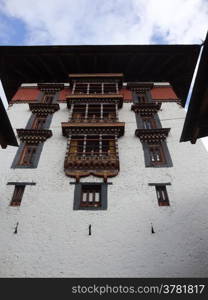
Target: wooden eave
[(140, 63), (43, 108), (152, 135), (146, 109), (94, 98), (34, 136), (93, 128)]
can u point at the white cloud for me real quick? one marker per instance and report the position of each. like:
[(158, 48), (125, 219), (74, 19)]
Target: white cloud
[(110, 22)]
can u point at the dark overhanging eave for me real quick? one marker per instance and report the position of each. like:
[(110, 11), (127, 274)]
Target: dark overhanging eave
[(173, 63), (196, 124), (7, 136)]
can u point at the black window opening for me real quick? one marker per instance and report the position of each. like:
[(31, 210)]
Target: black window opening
[(162, 195), (90, 196), (17, 195)]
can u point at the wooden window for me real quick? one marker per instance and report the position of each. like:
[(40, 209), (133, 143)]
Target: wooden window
[(95, 88), (17, 195), (39, 123), (80, 88), (142, 98), (149, 123), (91, 196), (48, 98), (78, 113), (162, 195), (156, 154), (94, 113), (27, 156), (110, 88), (92, 145), (109, 112)]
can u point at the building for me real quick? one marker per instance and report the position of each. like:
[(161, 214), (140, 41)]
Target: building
[(100, 185)]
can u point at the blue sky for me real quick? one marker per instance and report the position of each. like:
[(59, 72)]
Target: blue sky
[(41, 22)]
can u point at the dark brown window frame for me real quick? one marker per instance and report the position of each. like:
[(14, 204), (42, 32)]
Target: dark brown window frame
[(162, 195), (17, 195), (149, 122), (78, 195), (39, 122), (27, 155), (156, 154), (47, 98)]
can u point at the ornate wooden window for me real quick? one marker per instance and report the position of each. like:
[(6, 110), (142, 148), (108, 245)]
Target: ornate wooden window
[(90, 196), (28, 155), (38, 122), (92, 145), (17, 195), (162, 195), (94, 113)]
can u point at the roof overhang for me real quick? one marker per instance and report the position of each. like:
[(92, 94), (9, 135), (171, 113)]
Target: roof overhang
[(7, 136), (146, 63), (196, 122)]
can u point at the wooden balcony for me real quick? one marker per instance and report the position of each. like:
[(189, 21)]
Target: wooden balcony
[(84, 164)]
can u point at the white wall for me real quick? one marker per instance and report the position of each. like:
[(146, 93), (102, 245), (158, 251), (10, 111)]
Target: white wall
[(52, 238)]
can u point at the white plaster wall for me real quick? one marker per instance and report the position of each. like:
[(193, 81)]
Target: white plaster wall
[(53, 240)]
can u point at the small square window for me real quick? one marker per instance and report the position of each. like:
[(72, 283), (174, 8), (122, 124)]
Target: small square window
[(17, 195), (162, 195), (90, 196)]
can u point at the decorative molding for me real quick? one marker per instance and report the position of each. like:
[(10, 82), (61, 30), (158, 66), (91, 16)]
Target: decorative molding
[(43, 109), (152, 136), (116, 128), (51, 87), (139, 87), (34, 136), (95, 98), (146, 109)]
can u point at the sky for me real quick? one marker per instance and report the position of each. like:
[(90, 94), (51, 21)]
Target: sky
[(90, 22)]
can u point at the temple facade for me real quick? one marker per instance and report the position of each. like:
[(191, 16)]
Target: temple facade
[(100, 185)]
